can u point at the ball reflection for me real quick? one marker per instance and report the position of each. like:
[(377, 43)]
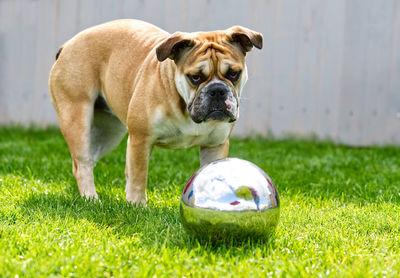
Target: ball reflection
[(230, 198)]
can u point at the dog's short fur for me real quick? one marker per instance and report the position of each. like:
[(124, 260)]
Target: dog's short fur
[(173, 91)]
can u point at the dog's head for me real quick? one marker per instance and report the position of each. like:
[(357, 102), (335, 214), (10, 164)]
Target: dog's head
[(211, 70)]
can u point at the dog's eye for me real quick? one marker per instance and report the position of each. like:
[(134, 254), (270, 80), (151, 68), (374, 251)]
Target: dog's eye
[(233, 75), (196, 79)]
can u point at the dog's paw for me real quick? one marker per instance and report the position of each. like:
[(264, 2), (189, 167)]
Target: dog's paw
[(136, 200), (91, 197)]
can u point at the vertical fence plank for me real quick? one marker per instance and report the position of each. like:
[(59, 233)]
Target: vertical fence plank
[(392, 119), (67, 20), (10, 42), (283, 63), (3, 70), (330, 66), (377, 76), (354, 72), (307, 71), (41, 109), (27, 62)]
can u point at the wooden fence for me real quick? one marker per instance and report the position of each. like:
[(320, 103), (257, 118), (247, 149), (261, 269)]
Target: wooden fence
[(328, 68)]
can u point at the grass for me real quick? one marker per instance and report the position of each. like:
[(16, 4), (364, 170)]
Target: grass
[(340, 213)]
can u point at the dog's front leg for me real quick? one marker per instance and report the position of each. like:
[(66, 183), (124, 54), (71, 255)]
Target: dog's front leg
[(209, 154), (137, 164)]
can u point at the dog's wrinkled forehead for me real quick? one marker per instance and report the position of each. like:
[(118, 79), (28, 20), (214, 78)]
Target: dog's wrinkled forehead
[(211, 58)]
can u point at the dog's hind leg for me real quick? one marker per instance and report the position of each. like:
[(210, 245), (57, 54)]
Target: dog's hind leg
[(89, 129), (75, 120)]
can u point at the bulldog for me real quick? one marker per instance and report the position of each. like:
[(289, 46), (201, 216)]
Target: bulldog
[(169, 90)]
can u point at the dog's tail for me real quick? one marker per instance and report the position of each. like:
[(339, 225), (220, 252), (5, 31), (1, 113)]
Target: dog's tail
[(59, 52)]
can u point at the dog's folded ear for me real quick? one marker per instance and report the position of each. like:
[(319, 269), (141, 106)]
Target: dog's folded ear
[(173, 46), (245, 38)]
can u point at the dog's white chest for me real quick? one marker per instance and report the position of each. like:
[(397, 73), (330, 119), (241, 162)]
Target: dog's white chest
[(184, 133)]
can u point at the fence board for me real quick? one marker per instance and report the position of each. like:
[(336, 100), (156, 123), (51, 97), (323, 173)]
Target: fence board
[(353, 72), (331, 65), (377, 76), (306, 68), (286, 36), (392, 119)]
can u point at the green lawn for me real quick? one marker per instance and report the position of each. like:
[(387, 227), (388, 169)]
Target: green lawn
[(340, 213)]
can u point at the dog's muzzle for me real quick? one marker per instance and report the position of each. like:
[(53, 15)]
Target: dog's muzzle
[(216, 101)]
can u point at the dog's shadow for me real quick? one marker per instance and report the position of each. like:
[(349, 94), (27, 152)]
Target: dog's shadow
[(118, 215), (154, 226)]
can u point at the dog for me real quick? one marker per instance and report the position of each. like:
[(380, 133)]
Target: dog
[(169, 90)]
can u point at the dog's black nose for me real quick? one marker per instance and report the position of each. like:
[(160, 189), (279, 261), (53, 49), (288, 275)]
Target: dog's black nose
[(218, 92)]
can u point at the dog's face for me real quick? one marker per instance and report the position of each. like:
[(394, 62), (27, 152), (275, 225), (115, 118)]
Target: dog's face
[(211, 70)]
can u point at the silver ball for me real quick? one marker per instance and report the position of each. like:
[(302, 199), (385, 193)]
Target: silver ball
[(230, 199)]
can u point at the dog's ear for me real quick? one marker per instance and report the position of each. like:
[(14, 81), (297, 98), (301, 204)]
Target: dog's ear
[(245, 38), (173, 46)]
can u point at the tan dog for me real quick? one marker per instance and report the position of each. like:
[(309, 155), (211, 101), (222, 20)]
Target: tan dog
[(116, 77)]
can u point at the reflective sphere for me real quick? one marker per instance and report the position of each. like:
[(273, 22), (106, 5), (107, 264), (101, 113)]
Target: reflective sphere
[(229, 199)]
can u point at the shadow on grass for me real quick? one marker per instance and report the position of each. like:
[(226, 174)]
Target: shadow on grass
[(157, 226)]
